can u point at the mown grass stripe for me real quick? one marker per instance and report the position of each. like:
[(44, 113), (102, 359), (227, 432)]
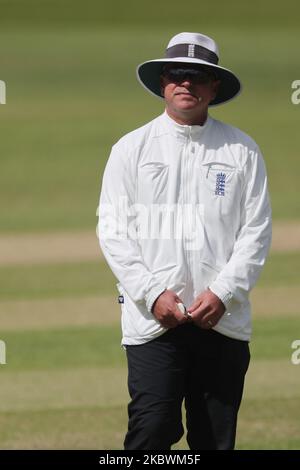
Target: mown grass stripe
[(59, 313), (281, 269), (96, 278), (85, 428), (263, 424), (101, 346), (59, 280), (62, 348), (272, 337), (63, 389), (107, 386), (269, 424), (42, 314)]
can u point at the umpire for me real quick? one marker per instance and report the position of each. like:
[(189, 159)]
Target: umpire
[(185, 225)]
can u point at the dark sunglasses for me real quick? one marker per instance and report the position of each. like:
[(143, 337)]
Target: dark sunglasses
[(177, 75)]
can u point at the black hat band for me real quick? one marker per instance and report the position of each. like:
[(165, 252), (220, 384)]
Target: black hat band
[(192, 51)]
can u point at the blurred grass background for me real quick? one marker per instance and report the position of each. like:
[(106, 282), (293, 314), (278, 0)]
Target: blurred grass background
[(69, 69)]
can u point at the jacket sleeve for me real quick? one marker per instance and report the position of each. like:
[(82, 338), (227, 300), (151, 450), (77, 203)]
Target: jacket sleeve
[(253, 240), (116, 229)]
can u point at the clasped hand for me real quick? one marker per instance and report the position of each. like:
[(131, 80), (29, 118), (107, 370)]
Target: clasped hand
[(205, 311)]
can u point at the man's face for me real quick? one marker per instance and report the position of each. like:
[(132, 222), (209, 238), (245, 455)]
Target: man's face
[(188, 87)]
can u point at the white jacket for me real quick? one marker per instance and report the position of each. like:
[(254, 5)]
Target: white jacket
[(214, 175)]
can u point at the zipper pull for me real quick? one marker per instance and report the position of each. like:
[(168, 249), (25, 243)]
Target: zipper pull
[(208, 168)]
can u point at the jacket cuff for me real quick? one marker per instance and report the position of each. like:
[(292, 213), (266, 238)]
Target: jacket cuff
[(152, 296), (224, 295)]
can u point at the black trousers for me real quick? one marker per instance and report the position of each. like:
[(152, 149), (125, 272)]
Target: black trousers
[(201, 367)]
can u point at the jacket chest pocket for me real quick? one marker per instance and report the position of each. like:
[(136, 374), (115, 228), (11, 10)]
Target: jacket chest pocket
[(153, 182), (220, 179), (221, 185)]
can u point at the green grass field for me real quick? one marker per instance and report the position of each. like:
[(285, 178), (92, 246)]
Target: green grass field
[(71, 93), (58, 375)]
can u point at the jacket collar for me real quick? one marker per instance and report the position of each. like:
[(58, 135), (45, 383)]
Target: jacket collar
[(183, 131)]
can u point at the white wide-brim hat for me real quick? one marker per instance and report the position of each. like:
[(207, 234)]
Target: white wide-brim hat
[(190, 48)]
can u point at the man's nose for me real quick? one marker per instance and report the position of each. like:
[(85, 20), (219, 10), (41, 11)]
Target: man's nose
[(186, 82)]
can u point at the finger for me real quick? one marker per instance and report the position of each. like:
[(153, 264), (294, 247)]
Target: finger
[(196, 303), (193, 306), (174, 318), (180, 318), (207, 322), (199, 313)]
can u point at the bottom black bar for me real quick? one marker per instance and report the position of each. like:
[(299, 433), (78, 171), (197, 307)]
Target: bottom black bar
[(136, 459)]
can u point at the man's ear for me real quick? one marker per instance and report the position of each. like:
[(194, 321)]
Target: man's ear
[(215, 87)]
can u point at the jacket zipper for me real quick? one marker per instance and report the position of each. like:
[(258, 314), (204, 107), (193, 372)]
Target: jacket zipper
[(187, 201)]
